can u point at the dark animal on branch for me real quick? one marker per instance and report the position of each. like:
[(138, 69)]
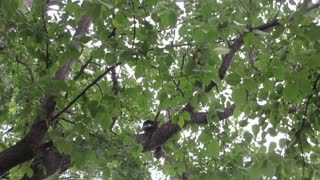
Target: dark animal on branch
[(149, 128)]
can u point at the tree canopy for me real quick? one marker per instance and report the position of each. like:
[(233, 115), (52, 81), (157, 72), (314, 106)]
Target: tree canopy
[(234, 87)]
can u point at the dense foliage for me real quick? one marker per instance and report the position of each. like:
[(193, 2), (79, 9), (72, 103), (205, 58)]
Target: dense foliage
[(237, 85)]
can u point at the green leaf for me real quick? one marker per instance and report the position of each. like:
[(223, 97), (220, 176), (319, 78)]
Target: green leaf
[(92, 9), (72, 51), (181, 122), (139, 70), (185, 115), (119, 21), (278, 31), (239, 24), (243, 123), (272, 146), (58, 85), (247, 136), (84, 39), (254, 172), (9, 8), (255, 129), (239, 95), (221, 50), (199, 35), (63, 146), (164, 72), (29, 172), (282, 142), (290, 93), (213, 116), (257, 31), (233, 79), (250, 40), (250, 84), (213, 148), (169, 60), (108, 5), (112, 103), (168, 18), (269, 169), (314, 157), (268, 85), (279, 69), (163, 98), (103, 116)]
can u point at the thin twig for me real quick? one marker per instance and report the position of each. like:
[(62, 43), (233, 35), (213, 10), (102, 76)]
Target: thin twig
[(46, 33), (84, 91), (315, 87), (174, 46), (10, 129), (303, 160), (177, 87), (134, 25), (27, 67), (114, 78), (113, 33), (82, 69), (68, 121)]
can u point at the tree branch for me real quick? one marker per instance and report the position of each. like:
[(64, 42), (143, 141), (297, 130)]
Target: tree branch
[(114, 78), (82, 69), (49, 162), (84, 91), (166, 131), (228, 58), (226, 61), (28, 147), (163, 133)]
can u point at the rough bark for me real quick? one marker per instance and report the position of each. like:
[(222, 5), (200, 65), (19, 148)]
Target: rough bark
[(31, 144), (51, 162), (166, 131)]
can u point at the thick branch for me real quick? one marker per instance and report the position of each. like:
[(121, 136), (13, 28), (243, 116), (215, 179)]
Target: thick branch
[(228, 58), (166, 131), (163, 133), (226, 61), (30, 145), (49, 162)]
